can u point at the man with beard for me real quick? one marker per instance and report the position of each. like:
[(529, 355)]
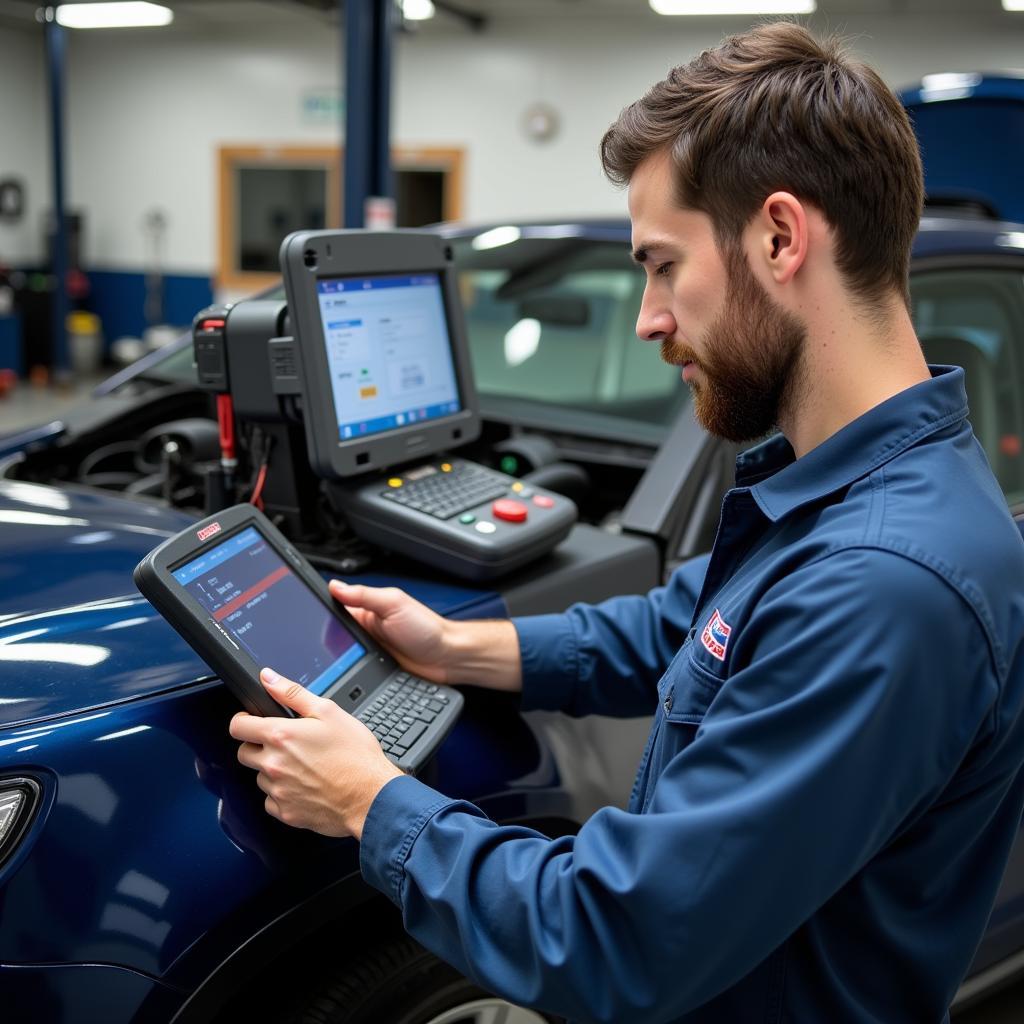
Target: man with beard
[(833, 778)]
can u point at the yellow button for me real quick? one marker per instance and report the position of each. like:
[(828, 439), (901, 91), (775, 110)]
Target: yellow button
[(517, 487), (395, 481), (446, 467)]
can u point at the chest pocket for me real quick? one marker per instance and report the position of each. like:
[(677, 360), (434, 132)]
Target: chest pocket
[(685, 692), (687, 688), (689, 685)]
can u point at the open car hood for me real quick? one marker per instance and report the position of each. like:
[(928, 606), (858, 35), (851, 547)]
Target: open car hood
[(75, 633)]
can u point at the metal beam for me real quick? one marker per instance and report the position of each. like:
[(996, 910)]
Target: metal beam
[(368, 30), (55, 62)]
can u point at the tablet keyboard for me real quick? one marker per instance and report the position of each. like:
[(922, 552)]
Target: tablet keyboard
[(403, 712)]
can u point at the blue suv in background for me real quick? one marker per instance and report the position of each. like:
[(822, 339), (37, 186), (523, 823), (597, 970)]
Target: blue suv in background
[(971, 129)]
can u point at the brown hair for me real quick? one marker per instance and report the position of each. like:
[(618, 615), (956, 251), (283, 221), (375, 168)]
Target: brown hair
[(775, 109)]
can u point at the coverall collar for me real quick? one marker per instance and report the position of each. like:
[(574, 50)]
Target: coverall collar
[(780, 483)]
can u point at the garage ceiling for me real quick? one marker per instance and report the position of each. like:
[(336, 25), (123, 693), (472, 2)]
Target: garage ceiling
[(198, 13)]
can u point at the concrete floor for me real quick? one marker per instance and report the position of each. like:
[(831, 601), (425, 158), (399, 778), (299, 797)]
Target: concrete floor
[(26, 405)]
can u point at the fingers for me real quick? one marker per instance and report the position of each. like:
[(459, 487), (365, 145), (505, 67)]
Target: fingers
[(365, 618), (248, 754), (249, 728), (290, 694), (379, 600)]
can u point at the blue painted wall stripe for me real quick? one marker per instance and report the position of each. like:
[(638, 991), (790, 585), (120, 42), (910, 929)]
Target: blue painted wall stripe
[(10, 344), (118, 298)]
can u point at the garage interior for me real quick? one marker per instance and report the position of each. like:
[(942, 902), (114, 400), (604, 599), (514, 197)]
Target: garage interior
[(179, 157)]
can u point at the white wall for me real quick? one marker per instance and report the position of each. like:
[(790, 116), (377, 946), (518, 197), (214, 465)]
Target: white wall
[(24, 120), (147, 109)]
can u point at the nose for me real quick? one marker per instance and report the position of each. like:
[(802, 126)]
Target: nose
[(655, 320)]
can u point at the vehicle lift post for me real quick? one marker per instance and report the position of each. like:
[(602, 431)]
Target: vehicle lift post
[(56, 45), (368, 29)]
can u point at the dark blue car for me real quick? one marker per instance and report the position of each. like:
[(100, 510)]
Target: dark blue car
[(140, 879)]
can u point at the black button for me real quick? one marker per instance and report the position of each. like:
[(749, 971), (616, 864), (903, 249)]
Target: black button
[(413, 733)]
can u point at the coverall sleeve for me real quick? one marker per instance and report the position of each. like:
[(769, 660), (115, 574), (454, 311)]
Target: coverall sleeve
[(844, 716), (606, 659)]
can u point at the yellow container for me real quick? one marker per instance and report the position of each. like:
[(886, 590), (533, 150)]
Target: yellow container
[(85, 341)]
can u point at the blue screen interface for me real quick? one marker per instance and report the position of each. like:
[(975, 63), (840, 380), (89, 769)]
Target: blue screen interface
[(247, 589), (388, 351)]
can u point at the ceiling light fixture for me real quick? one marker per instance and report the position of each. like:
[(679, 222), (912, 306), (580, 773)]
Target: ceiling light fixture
[(748, 7), (417, 10), (1013, 5), (122, 14)]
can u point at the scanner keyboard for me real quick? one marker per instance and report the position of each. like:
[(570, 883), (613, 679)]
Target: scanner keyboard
[(403, 712), (444, 494)]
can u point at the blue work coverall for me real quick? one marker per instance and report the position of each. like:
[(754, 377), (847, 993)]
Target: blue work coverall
[(832, 782)]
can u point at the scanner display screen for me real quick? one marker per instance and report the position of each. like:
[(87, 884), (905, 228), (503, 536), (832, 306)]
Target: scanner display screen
[(251, 593), (388, 350)]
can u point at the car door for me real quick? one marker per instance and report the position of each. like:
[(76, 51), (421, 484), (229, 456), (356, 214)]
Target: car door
[(969, 312)]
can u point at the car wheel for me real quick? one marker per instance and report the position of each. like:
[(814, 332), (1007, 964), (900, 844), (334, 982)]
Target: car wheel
[(401, 983)]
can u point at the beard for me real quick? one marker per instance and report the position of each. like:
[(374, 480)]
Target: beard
[(751, 359)]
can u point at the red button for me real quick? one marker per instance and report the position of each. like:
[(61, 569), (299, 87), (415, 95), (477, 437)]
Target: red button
[(543, 501), (509, 510)]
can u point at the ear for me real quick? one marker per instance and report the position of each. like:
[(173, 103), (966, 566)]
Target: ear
[(781, 235)]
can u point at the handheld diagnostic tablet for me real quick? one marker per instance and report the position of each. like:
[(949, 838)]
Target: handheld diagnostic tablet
[(244, 598)]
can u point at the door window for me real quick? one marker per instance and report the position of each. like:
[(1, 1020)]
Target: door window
[(974, 318)]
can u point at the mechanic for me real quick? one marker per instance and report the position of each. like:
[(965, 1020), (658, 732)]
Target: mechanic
[(833, 779)]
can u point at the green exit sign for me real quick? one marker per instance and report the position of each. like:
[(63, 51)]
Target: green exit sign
[(322, 106)]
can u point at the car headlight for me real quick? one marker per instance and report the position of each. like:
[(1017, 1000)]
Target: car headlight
[(18, 801)]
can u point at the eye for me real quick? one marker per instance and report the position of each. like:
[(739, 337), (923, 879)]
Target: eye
[(662, 269)]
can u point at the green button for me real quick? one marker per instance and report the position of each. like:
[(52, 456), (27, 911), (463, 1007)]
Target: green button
[(467, 517), (509, 464)]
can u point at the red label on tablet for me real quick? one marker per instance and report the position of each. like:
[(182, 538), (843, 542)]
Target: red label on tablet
[(208, 531)]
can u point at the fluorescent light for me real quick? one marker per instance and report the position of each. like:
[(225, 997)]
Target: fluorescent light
[(417, 10), (749, 7), (114, 15), (1013, 5)]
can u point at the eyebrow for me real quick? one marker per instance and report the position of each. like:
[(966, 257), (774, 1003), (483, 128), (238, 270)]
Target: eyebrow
[(641, 252)]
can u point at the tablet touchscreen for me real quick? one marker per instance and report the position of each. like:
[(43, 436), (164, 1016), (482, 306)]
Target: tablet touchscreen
[(248, 590)]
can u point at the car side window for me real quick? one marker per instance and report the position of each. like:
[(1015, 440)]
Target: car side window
[(974, 318)]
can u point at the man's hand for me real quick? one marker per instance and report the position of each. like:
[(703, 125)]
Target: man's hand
[(482, 653), (321, 771), (416, 636)]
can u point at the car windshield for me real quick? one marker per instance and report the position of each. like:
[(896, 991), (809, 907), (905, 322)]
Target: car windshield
[(552, 321), (551, 325)]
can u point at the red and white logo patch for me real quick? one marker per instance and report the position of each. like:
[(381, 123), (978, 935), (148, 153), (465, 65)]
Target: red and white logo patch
[(716, 635), (208, 531)]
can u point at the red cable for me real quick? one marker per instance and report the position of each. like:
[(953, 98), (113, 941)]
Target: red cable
[(226, 422), (256, 499)]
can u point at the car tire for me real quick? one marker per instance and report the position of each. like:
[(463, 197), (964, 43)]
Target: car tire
[(401, 983)]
